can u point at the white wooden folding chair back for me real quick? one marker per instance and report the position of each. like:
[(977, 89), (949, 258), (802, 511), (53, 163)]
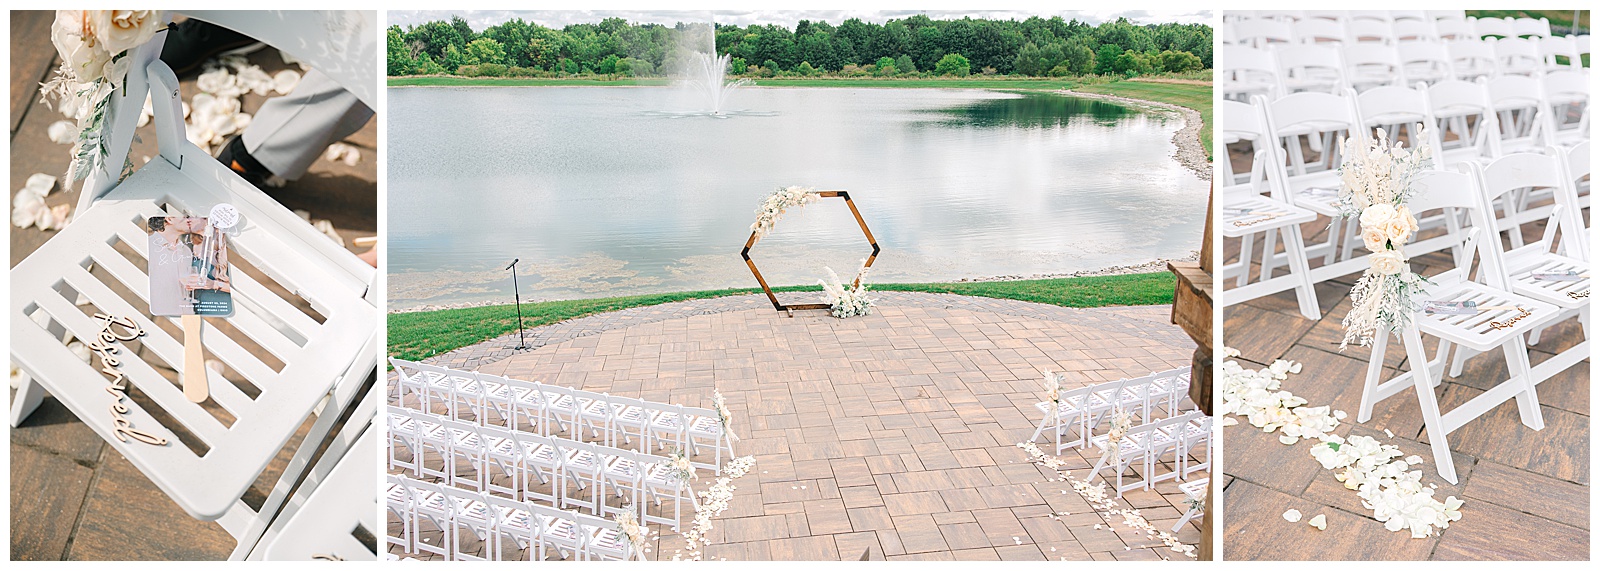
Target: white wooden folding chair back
[(1308, 67), (1517, 56), (1068, 413), (1262, 33), (1530, 27), (1554, 48), (470, 510), (1498, 326), (1565, 90), (1411, 31), (1452, 29), (1367, 66), (1368, 31), (1318, 31), (1472, 58), (326, 526), (1250, 71), (429, 503), (1427, 62), (1484, 27), (1324, 121), (1463, 108), (1519, 102), (284, 361)]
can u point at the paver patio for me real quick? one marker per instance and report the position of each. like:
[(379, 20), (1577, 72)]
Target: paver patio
[(892, 435), (1526, 491)]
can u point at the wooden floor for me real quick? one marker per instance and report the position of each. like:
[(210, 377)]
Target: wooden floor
[(1526, 492), (891, 435), (98, 506)]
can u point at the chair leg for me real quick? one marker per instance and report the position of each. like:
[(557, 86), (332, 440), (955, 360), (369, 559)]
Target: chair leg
[(1527, 399), (1369, 389), (1269, 255), (1246, 244), (1305, 292), (1420, 378)]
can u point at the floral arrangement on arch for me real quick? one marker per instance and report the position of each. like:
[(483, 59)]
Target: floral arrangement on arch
[(847, 301), (94, 46), (775, 204), (1375, 185)]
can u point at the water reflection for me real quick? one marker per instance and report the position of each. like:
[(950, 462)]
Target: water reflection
[(600, 197), (1033, 111)]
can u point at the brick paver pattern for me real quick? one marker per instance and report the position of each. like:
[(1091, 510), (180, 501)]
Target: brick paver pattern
[(892, 434)]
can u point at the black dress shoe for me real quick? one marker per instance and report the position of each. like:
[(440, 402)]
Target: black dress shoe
[(234, 156), (192, 42)]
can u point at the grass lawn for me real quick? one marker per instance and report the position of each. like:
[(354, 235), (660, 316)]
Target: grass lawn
[(419, 335), (1193, 96)]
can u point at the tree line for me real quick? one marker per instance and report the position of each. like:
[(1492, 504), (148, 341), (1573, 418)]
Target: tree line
[(918, 46)]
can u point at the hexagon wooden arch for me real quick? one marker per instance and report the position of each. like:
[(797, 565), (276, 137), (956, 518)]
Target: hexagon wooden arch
[(764, 287)]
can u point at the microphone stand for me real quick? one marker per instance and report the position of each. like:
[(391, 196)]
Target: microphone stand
[(522, 342)]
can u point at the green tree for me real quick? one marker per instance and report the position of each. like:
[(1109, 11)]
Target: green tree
[(953, 64), (1031, 61), (885, 66), (1106, 59), (454, 58), (1078, 58), (608, 66), (1178, 62), (400, 61), (737, 66), (806, 70), (485, 50), (903, 64)]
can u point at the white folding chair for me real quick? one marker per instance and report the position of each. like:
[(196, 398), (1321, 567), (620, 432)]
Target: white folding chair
[(1529, 27), (1261, 33), (1145, 444), (660, 481), (1247, 211), (1308, 68), (1195, 491), (1192, 435), (1485, 27), (1318, 31), (1411, 31), (470, 510), (705, 429), (1450, 29), (503, 457), (1484, 331), (209, 462), (1517, 56), (463, 445), (1426, 62), (582, 465), (559, 529), (542, 459), (1370, 65), (1324, 121), (1575, 163), (1463, 107), (397, 498), (429, 502), (1250, 71), (1553, 48), (1471, 58), (1519, 102), (1069, 412), (403, 436), (1519, 171), (1565, 90), (1367, 31)]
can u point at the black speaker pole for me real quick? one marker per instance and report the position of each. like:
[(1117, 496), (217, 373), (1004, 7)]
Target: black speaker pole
[(522, 342)]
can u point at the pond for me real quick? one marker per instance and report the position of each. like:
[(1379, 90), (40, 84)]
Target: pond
[(603, 191)]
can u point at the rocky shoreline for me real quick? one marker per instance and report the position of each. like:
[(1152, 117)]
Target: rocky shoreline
[(1146, 267), (1189, 153)]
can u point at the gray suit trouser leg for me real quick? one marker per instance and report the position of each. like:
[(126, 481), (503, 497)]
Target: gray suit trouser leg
[(288, 133)]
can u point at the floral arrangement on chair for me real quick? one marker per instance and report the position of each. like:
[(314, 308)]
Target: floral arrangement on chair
[(681, 467), (1052, 391), (774, 205), (847, 301), (628, 526), (1121, 423), (1375, 185), (724, 417), (94, 46)]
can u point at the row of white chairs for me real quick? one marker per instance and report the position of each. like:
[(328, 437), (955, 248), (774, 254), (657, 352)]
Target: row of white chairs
[(549, 409), (493, 520), (1147, 444), (530, 462), (1261, 31), (1283, 190), (1285, 69), (1083, 409)]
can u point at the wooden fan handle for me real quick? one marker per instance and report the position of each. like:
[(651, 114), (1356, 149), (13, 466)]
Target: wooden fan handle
[(194, 360)]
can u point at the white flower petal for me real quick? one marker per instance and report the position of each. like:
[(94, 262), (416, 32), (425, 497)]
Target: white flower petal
[(1293, 515), (1320, 522)]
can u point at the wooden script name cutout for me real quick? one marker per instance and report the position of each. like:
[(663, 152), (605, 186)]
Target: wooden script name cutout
[(1578, 294), (1510, 321), (105, 346)]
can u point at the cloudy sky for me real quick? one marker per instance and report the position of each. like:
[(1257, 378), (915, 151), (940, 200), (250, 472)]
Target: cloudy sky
[(480, 19)]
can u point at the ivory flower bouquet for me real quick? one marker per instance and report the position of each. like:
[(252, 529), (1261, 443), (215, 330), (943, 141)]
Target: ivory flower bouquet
[(775, 204), (847, 300), (1375, 185), (94, 46)]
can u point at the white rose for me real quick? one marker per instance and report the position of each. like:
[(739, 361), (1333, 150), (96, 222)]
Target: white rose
[(1377, 215), (1405, 214), (1387, 262), (80, 51), (1376, 239), (1397, 230), (122, 30)]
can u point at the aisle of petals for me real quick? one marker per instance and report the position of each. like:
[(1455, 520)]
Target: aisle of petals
[(1095, 495), (1387, 485)]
